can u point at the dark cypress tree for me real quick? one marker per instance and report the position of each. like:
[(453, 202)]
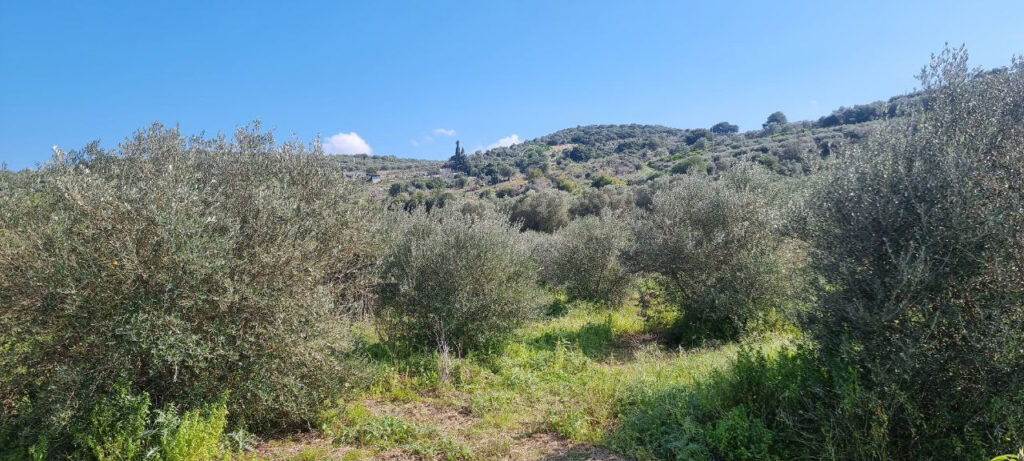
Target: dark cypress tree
[(459, 161)]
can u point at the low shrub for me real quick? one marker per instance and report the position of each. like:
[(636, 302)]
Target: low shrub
[(453, 282), (601, 180), (583, 259), (611, 199), (544, 211), (121, 426), (717, 247), (694, 164)]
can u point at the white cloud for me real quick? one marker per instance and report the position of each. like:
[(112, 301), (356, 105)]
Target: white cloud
[(444, 131), (506, 141), (414, 142), (346, 144)]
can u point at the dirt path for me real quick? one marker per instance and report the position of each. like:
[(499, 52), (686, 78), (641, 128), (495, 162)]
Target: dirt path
[(451, 420)]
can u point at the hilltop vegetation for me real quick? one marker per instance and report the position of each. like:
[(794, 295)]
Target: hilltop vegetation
[(842, 289), (572, 159)]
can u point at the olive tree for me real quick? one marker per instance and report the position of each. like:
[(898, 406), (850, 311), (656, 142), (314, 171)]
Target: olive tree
[(452, 281), (583, 258), (187, 267), (724, 128), (716, 244), (611, 199), (919, 235), (545, 211)]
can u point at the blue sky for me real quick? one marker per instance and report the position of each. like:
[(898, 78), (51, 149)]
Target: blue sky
[(408, 78)]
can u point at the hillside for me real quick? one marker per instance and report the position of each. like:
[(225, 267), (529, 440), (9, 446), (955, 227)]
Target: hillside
[(634, 155), (637, 152)]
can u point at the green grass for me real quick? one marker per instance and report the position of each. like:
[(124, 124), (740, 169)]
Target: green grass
[(567, 376)]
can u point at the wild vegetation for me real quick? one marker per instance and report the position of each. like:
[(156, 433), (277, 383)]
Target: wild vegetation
[(849, 288)]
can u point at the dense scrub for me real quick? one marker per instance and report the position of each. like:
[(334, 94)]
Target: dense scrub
[(186, 268)]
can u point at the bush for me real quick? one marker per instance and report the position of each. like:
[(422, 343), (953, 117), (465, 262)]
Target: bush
[(541, 211), (694, 163), (566, 184), (454, 282), (768, 160), (725, 128), (186, 267), (583, 259), (717, 247), (776, 118), (919, 236), (583, 153), (117, 425), (602, 180), (594, 202), (122, 427), (192, 436)]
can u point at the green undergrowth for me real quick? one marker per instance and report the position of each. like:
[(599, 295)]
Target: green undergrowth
[(571, 375), (356, 425)]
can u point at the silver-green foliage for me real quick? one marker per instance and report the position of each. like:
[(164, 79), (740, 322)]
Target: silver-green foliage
[(717, 245), (541, 211), (454, 281), (583, 258), (188, 267), (920, 237)]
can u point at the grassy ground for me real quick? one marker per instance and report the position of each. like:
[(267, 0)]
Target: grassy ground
[(550, 393)]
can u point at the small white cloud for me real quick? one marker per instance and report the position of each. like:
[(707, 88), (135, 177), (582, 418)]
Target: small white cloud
[(444, 131), (346, 144), (414, 142), (506, 141)]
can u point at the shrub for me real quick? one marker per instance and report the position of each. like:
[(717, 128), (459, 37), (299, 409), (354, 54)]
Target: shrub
[(603, 200), (117, 425), (694, 163), (192, 436), (566, 184), (602, 180), (699, 134), (186, 267), (768, 160), (454, 282), (717, 247), (582, 153), (724, 128), (919, 236), (777, 118), (740, 436), (541, 211), (122, 427), (583, 258)]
